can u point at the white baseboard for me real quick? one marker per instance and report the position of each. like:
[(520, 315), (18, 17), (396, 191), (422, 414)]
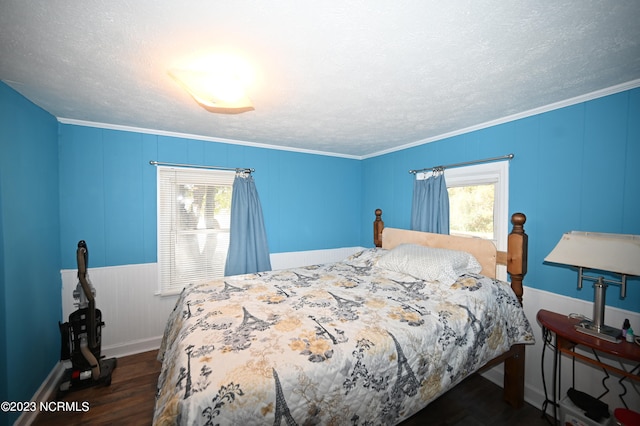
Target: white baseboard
[(132, 348), (44, 393)]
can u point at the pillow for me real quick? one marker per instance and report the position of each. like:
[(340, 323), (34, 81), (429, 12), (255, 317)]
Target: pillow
[(430, 263)]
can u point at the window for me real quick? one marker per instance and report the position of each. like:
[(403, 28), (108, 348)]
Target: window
[(479, 202), (471, 210), (194, 212)]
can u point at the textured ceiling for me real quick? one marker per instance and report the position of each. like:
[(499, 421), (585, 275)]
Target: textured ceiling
[(351, 78)]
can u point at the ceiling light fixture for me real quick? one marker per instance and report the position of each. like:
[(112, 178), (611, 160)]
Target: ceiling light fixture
[(218, 83)]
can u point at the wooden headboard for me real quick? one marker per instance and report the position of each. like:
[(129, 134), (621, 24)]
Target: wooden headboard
[(515, 258)]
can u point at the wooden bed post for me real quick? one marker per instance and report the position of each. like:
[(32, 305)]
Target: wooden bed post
[(517, 253), (513, 384), (378, 226)]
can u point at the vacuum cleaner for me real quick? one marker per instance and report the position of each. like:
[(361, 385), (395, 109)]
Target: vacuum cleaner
[(81, 336)]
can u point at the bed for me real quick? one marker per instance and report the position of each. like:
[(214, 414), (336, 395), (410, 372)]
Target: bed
[(358, 342)]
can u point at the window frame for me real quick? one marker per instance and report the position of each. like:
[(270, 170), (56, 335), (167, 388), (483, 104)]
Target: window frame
[(183, 175)]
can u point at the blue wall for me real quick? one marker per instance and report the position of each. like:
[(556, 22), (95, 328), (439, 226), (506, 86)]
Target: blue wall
[(108, 193), (30, 248), (575, 168)]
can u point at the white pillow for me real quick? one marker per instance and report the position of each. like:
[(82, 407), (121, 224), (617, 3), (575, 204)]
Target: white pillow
[(429, 263)]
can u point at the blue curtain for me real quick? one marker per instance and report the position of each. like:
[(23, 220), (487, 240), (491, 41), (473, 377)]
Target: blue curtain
[(430, 206), (248, 248)]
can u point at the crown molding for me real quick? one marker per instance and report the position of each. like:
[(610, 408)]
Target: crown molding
[(109, 126), (535, 111), (546, 108)]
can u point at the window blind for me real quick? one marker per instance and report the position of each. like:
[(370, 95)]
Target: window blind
[(193, 225)]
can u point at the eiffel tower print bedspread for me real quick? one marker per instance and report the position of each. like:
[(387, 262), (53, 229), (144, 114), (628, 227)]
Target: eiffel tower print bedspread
[(346, 343)]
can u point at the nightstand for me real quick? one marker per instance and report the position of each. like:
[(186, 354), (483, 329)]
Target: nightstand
[(567, 338)]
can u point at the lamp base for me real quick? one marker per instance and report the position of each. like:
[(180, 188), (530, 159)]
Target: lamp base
[(604, 332)]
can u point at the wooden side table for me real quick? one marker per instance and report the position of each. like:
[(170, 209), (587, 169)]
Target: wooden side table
[(567, 338)]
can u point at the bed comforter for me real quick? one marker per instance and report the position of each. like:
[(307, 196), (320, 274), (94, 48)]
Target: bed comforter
[(335, 344)]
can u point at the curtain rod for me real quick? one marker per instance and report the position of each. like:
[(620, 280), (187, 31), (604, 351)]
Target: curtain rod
[(195, 166), (466, 163)]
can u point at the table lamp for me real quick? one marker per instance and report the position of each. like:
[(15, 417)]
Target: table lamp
[(613, 253)]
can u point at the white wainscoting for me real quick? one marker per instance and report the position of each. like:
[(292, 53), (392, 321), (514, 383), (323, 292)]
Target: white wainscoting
[(133, 314), (135, 318), (310, 257)]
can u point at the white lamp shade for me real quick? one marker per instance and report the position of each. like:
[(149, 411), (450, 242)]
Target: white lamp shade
[(619, 253)]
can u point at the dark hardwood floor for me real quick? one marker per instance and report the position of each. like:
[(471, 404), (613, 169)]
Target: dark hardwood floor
[(129, 400)]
